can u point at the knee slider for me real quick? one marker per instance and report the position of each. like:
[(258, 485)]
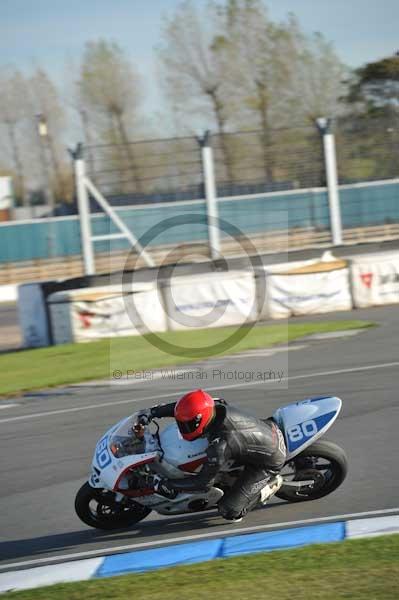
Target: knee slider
[(227, 512)]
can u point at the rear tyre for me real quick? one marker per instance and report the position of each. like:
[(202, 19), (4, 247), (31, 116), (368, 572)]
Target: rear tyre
[(323, 463), (98, 508)]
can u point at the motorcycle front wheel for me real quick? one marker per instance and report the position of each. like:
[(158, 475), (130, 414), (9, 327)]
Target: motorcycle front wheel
[(316, 472), (98, 508)]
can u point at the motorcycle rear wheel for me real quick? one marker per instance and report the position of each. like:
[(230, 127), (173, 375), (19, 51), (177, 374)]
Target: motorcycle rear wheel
[(98, 508), (323, 462)]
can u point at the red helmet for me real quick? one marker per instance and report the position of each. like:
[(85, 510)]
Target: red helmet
[(193, 412)]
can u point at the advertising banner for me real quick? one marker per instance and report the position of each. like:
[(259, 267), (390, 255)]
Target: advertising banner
[(308, 293), (94, 313), (212, 300), (375, 279)]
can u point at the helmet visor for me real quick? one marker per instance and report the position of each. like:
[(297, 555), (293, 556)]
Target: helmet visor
[(189, 426)]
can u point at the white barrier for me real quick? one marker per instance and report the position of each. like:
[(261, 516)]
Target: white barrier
[(313, 293), (375, 279), (92, 313), (211, 300), (306, 288)]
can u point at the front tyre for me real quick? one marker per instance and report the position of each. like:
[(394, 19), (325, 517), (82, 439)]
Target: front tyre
[(316, 472), (98, 508)]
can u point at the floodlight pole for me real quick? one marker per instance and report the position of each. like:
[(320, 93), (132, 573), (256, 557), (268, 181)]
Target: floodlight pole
[(324, 127), (43, 136), (210, 196)]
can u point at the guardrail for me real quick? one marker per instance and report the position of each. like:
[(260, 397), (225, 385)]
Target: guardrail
[(108, 262)]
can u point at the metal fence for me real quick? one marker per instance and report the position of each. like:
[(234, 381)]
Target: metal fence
[(266, 184), (148, 171), (171, 170), (367, 149), (253, 162), (368, 172), (249, 162)]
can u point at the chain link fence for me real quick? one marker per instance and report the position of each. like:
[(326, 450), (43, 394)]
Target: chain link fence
[(257, 162), (147, 171), (367, 151), (245, 163), (249, 162)]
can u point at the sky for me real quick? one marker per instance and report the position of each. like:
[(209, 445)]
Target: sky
[(52, 33)]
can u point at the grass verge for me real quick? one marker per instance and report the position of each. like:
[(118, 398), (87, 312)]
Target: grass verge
[(72, 363), (356, 569)]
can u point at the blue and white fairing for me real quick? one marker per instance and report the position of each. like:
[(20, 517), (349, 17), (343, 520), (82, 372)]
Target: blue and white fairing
[(118, 451), (107, 467), (304, 422)]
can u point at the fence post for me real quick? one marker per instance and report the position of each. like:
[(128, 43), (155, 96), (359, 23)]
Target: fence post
[(324, 127), (84, 211), (210, 196)]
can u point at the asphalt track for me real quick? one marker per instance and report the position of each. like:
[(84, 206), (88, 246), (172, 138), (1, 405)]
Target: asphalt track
[(47, 440)]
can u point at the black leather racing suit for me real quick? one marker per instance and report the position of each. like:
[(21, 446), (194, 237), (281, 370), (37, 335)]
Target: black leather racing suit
[(242, 439)]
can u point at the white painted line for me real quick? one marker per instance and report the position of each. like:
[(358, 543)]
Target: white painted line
[(261, 352), (199, 536), (220, 387), (4, 406), (372, 527), (330, 335), (90, 407), (41, 576), (200, 366)]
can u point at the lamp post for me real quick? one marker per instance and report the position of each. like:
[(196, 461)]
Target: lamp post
[(43, 133), (210, 196)]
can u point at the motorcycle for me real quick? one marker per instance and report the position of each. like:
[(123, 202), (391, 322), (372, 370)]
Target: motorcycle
[(129, 459)]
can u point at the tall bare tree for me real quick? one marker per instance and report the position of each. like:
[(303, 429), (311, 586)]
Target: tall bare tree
[(13, 112), (110, 92), (46, 107), (193, 70), (319, 78), (250, 46), (248, 71), (278, 75)]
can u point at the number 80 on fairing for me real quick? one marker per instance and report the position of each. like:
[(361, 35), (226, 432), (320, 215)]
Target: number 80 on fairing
[(298, 432)]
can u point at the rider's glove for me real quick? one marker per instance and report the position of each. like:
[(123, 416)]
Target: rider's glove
[(144, 417), (163, 487)]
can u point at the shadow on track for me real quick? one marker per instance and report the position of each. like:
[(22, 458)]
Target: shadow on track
[(96, 540)]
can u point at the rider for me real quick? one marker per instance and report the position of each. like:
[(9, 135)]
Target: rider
[(234, 437)]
